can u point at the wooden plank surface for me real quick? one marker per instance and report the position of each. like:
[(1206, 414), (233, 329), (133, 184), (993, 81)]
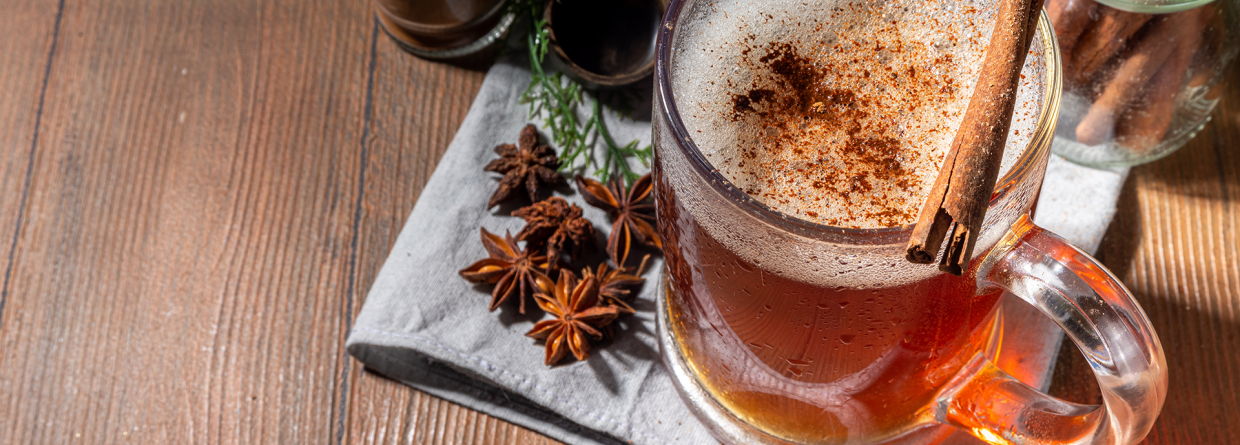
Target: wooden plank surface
[(213, 187), (187, 249), (25, 59), (194, 198), (417, 108)]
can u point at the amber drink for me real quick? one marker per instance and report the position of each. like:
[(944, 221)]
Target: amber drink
[(444, 29), (798, 145)]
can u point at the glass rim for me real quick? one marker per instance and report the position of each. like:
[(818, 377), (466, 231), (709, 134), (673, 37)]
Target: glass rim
[(428, 28), (1154, 6), (1039, 142)]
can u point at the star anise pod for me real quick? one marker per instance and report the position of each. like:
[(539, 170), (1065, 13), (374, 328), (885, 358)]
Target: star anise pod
[(631, 220), (528, 166), (511, 269), (616, 285), (558, 225), (574, 304)]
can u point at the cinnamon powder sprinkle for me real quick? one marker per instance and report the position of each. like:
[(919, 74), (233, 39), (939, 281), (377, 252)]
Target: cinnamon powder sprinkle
[(846, 131)]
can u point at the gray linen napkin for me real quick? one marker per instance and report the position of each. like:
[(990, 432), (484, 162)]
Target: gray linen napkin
[(423, 325)]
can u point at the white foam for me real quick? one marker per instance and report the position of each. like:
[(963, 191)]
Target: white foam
[(708, 67), (719, 60)]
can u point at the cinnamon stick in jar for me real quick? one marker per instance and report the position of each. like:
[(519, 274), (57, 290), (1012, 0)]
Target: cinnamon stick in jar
[(1127, 85), (1071, 18), (1103, 42), (1138, 130), (1213, 40), (958, 200)]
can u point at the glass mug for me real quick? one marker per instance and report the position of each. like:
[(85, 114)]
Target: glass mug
[(873, 349)]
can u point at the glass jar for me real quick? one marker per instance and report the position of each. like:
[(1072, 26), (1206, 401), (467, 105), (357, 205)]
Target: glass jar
[(444, 29), (1141, 77)]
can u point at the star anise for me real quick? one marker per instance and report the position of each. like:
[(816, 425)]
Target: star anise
[(574, 304), (558, 225), (615, 286), (512, 270), (528, 166), (631, 220)]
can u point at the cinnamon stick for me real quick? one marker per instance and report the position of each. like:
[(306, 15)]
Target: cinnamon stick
[(1071, 18), (1141, 129), (1148, 55), (1103, 42), (958, 200)]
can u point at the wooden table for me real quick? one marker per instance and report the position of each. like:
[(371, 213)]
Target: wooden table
[(195, 197)]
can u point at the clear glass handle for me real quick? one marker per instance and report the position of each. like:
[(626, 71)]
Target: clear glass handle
[(1099, 315)]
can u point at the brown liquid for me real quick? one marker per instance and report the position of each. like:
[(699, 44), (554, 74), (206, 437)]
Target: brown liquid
[(438, 12), (439, 24), (610, 37), (808, 363)]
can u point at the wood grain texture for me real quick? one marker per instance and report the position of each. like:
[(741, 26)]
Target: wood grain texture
[(1176, 244), (25, 59), (212, 189), (183, 264), (418, 106)]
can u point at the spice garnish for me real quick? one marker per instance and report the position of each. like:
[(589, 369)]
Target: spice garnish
[(575, 308), (529, 166), (558, 101), (631, 220), (558, 225), (958, 200), (510, 268), (615, 285)]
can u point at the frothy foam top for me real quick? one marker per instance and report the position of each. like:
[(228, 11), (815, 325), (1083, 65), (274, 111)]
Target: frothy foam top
[(836, 112)]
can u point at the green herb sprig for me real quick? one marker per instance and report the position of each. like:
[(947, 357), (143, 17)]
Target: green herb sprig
[(558, 98)]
